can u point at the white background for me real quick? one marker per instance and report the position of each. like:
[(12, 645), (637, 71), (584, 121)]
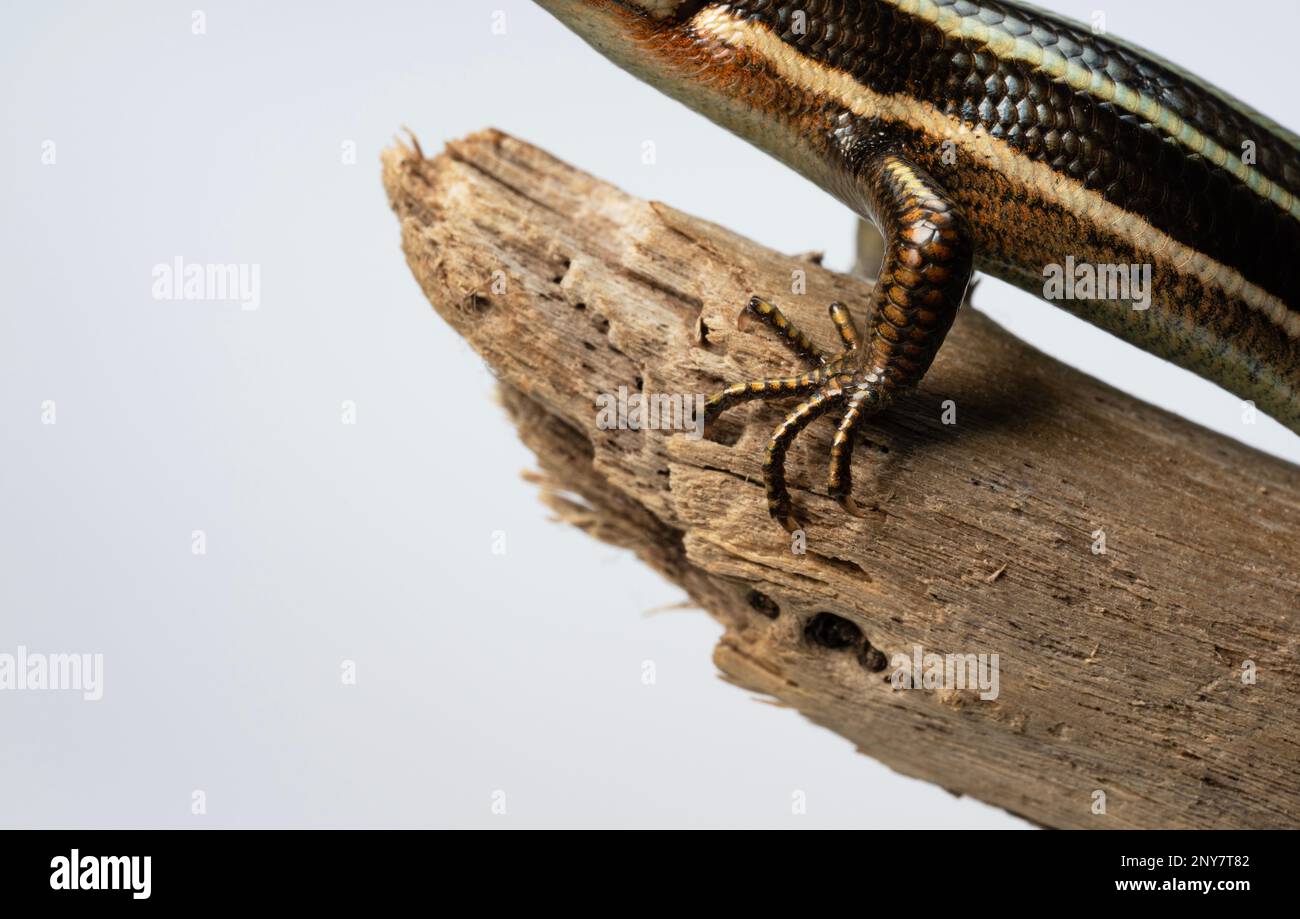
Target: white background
[(327, 542)]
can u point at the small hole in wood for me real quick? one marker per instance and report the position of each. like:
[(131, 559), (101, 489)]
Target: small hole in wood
[(831, 631), (872, 659), (763, 604), (475, 304)]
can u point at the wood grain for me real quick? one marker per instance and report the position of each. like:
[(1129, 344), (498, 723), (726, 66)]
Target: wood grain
[(1119, 673)]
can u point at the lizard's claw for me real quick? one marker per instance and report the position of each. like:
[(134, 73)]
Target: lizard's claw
[(836, 382)]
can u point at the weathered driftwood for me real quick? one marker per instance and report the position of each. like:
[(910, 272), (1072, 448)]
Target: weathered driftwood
[(1120, 673)]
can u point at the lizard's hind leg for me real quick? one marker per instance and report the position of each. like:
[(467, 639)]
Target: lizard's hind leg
[(824, 385), (927, 265)]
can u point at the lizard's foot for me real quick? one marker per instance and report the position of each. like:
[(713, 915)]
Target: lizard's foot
[(835, 382)]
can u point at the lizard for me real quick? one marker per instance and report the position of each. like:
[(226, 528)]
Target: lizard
[(990, 136)]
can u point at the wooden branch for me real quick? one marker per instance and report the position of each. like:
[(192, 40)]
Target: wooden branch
[(1119, 673)]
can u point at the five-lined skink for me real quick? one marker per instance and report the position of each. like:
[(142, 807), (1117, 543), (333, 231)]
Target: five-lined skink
[(988, 135)]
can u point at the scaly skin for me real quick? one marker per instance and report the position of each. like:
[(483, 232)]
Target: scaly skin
[(995, 136)]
